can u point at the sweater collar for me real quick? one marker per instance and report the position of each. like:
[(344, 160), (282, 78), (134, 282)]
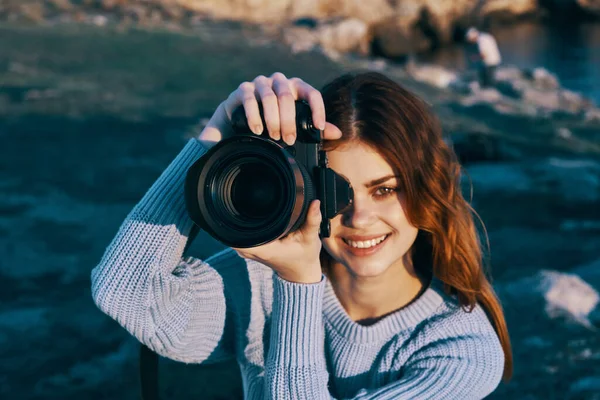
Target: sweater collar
[(405, 318)]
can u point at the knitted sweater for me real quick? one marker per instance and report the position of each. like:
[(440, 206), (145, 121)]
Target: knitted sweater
[(290, 340)]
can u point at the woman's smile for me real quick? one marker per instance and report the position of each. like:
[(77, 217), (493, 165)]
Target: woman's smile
[(362, 248)]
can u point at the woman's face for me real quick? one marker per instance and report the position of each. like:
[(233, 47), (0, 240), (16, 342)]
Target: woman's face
[(373, 234)]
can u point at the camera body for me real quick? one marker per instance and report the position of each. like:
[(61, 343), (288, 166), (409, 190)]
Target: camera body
[(250, 189)]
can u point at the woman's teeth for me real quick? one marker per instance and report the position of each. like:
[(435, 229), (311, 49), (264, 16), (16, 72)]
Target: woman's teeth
[(367, 243)]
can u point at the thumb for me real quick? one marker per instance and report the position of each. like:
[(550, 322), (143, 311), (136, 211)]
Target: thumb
[(313, 220)]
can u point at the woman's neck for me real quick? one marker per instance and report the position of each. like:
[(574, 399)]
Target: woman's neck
[(368, 299)]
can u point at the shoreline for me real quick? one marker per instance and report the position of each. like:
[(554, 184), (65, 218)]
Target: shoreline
[(556, 120)]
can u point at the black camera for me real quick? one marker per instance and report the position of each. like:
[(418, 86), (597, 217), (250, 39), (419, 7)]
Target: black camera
[(249, 189)]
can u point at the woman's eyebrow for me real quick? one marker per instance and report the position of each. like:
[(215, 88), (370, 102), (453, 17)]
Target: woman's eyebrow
[(378, 181)]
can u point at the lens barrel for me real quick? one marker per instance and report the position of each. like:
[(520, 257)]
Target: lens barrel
[(248, 191)]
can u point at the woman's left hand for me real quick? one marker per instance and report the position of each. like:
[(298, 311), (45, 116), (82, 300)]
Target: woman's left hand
[(295, 257)]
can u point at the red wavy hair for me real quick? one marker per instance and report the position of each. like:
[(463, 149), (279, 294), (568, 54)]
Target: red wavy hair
[(375, 110)]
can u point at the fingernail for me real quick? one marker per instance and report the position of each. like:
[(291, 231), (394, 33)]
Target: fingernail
[(321, 124), (257, 129)]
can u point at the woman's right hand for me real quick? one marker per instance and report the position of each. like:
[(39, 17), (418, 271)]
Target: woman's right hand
[(277, 95)]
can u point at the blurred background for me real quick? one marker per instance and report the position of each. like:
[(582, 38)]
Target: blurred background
[(97, 96)]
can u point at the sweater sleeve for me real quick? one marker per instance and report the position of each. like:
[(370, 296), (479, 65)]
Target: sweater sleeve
[(175, 307), (295, 366)]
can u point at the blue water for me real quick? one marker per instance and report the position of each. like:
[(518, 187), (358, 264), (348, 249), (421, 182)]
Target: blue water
[(571, 52)]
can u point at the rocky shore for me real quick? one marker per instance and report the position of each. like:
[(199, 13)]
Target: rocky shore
[(381, 27), (371, 35), (89, 89)]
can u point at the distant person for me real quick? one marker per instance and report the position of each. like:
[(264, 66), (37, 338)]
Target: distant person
[(394, 304), (483, 54)]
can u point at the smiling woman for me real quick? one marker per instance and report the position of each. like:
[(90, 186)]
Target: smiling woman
[(394, 304)]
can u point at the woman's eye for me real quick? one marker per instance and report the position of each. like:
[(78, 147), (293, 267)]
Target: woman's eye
[(385, 191)]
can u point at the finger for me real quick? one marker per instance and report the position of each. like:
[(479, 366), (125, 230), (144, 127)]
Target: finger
[(270, 105), (245, 95), (248, 98), (314, 99), (331, 132), (287, 107), (310, 228)]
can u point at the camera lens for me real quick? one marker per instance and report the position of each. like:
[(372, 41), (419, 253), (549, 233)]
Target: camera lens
[(256, 190), (248, 191)]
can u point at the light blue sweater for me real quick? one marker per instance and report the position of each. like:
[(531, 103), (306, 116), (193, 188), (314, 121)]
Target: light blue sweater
[(291, 341)]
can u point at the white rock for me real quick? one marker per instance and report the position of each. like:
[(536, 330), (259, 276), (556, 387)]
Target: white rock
[(543, 79), (345, 36), (434, 75), (564, 133), (569, 295), (99, 20), (559, 294), (592, 115)]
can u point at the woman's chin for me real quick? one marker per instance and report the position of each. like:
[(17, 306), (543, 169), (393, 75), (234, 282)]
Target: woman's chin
[(364, 269)]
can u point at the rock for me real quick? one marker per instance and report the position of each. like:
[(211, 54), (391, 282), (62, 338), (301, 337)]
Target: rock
[(564, 101), (485, 96), (392, 39), (569, 295), (561, 295), (548, 101), (62, 5), (349, 35), (592, 115), (335, 37), (300, 39), (509, 73), (542, 79), (280, 11), (564, 133), (438, 19), (99, 20), (33, 11), (573, 102), (108, 5), (433, 74), (464, 86), (509, 10), (511, 88)]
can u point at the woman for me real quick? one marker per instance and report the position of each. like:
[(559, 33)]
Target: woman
[(393, 305)]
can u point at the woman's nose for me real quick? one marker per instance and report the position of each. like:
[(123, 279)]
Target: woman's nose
[(359, 214)]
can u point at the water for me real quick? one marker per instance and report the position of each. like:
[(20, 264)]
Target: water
[(571, 52)]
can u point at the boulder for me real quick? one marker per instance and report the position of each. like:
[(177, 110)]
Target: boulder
[(509, 10), (397, 37), (348, 35), (432, 74), (542, 79), (561, 295), (280, 11), (338, 36)]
